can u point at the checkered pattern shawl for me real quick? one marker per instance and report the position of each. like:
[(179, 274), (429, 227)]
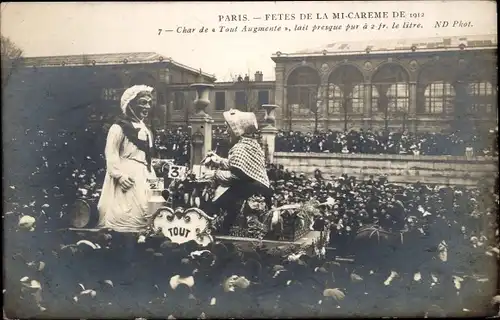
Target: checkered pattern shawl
[(248, 156)]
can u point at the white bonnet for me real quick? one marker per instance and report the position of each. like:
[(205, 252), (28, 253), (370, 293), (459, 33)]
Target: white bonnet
[(131, 93), (240, 122)]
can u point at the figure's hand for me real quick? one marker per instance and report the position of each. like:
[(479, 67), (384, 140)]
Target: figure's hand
[(210, 153), (207, 160), (216, 160), (126, 183), (211, 159), (208, 175)]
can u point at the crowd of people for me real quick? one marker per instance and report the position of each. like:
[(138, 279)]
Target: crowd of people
[(175, 143), (394, 207), (227, 281), (378, 142), (49, 170)]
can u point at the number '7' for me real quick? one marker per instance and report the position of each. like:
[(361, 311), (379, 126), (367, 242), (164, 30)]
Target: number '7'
[(159, 31)]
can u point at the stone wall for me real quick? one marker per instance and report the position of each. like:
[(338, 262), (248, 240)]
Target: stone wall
[(398, 168)]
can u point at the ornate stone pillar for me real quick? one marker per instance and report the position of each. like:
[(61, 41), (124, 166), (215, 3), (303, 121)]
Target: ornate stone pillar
[(201, 124), (286, 113), (280, 92), (269, 131)]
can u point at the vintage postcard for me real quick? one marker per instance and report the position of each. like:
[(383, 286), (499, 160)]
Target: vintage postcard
[(250, 159)]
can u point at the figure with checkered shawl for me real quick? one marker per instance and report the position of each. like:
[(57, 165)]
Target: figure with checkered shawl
[(243, 174)]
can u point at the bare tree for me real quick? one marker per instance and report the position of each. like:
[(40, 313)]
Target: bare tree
[(314, 106), (344, 106), (11, 59), (251, 99), (384, 103), (467, 117), (403, 114), (393, 114), (345, 109)]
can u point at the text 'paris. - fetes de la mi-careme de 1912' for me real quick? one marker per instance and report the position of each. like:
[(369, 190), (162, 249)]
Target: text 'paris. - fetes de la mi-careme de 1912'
[(320, 16)]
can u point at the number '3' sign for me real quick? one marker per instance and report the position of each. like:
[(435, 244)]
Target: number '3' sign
[(177, 172)]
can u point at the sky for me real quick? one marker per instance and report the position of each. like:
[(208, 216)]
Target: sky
[(45, 29)]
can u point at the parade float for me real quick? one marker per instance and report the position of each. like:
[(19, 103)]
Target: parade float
[(180, 204), (180, 199)]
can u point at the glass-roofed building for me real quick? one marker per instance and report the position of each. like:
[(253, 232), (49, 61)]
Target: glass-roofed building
[(431, 84)]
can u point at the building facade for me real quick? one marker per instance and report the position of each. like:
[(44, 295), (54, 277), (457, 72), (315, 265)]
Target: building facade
[(90, 86), (95, 83), (246, 94), (431, 84), (417, 85)]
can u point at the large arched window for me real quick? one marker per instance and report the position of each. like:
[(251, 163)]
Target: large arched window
[(398, 97), (302, 91), (335, 98), (346, 91), (391, 89), (439, 97), (482, 96), (439, 88), (358, 98)]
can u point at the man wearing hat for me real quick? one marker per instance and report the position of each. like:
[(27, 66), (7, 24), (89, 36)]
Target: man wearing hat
[(244, 171)]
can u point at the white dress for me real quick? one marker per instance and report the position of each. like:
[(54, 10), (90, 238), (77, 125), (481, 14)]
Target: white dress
[(125, 211)]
